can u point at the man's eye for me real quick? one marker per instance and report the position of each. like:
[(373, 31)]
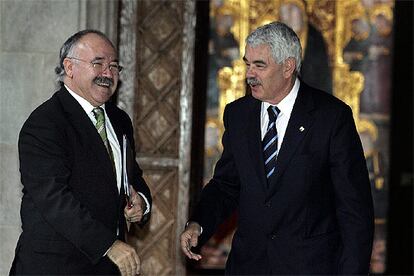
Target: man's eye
[(97, 64), (113, 66)]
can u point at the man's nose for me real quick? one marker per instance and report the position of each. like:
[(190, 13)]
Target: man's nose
[(106, 72), (250, 72)]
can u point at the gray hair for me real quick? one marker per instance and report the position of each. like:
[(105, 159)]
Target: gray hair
[(68, 49), (282, 40)]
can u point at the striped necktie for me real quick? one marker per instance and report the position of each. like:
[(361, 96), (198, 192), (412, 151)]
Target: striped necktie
[(100, 127), (270, 143)]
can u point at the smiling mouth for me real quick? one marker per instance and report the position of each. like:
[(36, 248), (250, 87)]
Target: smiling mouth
[(253, 82), (254, 85), (103, 82)]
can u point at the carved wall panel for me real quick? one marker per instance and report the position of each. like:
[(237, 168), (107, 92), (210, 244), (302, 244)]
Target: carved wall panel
[(155, 242), (156, 45), (158, 79)]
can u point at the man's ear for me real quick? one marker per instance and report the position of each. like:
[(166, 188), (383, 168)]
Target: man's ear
[(67, 65), (289, 67)]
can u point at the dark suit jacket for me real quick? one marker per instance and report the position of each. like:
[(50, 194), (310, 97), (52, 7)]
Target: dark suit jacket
[(316, 217), (71, 208)]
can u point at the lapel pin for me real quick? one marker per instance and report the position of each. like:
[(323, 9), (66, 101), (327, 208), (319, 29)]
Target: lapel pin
[(301, 129)]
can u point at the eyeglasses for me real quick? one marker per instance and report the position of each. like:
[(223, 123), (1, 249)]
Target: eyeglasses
[(100, 66)]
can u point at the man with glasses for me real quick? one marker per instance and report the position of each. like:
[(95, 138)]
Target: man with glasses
[(74, 209)]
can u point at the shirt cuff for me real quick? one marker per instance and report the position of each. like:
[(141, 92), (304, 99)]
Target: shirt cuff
[(107, 251)]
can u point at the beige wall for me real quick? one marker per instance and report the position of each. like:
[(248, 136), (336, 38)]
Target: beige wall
[(31, 33)]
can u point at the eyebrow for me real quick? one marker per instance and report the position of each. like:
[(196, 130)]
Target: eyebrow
[(257, 62), (102, 58)]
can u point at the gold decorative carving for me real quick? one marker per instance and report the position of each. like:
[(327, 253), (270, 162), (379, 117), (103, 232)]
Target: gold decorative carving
[(322, 15), (332, 18), (384, 10), (231, 84), (287, 11), (262, 12), (348, 85)]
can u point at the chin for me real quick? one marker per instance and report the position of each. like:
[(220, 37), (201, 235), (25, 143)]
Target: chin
[(107, 91), (103, 97), (257, 95)]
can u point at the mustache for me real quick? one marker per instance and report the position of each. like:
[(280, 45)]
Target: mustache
[(103, 80), (253, 81)]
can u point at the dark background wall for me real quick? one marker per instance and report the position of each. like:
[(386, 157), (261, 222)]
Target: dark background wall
[(400, 216)]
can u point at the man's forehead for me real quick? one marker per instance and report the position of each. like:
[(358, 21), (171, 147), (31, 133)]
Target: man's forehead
[(95, 37), (260, 51), (264, 47), (96, 46)]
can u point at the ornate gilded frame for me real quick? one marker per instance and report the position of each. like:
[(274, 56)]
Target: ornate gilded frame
[(334, 21)]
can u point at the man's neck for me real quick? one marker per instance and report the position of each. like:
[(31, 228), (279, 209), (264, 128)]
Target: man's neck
[(285, 92)]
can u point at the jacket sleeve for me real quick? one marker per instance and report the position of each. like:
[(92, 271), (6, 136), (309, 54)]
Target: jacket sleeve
[(219, 198), (353, 200)]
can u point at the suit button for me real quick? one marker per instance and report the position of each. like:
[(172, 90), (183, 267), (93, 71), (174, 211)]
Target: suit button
[(267, 204), (273, 236)]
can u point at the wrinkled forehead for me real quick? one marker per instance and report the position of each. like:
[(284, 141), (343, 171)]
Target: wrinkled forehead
[(260, 50), (95, 46)]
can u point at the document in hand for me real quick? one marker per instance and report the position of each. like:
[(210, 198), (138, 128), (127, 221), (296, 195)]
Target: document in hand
[(127, 165)]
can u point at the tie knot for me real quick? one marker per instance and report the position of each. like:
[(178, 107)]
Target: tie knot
[(273, 112), (99, 113)]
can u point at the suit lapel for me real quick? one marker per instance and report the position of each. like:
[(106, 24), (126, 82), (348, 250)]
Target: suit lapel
[(255, 141), (89, 137), (299, 124)]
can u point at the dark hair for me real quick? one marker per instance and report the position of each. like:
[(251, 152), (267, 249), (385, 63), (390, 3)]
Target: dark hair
[(68, 47)]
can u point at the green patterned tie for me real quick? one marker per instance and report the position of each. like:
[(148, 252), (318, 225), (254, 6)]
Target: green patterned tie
[(100, 127)]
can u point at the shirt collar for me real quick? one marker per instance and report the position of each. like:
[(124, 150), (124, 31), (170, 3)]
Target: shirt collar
[(83, 102)]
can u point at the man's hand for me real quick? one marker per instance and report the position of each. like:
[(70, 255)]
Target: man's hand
[(189, 238), (134, 211), (125, 257)]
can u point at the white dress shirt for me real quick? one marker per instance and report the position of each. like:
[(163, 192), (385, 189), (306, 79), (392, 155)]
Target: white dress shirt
[(285, 106)]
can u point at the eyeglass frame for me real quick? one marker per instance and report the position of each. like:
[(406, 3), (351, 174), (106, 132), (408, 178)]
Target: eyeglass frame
[(116, 68)]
